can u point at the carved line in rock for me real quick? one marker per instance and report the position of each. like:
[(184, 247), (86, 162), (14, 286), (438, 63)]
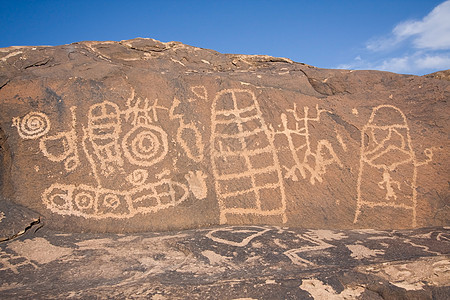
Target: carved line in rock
[(194, 149), (314, 162), (232, 149), (144, 145), (100, 203), (32, 126), (67, 142), (388, 147), (249, 233)]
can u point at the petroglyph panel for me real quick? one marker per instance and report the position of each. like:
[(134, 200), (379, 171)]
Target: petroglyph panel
[(308, 162), (388, 165)]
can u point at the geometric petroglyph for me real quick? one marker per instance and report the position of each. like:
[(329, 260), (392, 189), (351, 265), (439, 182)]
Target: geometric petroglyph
[(145, 145), (32, 126), (107, 147), (245, 165), (103, 130), (62, 146), (313, 162), (99, 203), (387, 154)]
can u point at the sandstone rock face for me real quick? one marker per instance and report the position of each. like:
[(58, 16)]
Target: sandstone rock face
[(143, 135)]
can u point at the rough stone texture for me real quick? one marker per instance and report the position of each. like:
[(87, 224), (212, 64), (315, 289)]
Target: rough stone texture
[(241, 262), (15, 220), (141, 135), (443, 75)]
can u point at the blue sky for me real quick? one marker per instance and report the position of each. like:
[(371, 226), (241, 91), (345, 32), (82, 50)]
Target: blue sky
[(404, 36)]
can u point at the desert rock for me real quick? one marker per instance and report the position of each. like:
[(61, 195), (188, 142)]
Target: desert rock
[(140, 135)]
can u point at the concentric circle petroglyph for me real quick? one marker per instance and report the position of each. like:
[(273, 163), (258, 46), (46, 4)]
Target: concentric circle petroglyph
[(84, 200), (33, 126), (145, 145)]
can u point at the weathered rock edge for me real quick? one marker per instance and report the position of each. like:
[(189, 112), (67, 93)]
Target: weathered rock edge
[(234, 262)]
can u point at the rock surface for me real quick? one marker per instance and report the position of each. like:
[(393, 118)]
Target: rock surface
[(141, 135), (241, 262)]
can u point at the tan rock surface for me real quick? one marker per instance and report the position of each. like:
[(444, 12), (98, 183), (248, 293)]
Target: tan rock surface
[(140, 135)]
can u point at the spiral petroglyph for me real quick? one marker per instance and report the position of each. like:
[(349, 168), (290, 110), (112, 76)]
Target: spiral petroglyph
[(33, 125), (145, 145)]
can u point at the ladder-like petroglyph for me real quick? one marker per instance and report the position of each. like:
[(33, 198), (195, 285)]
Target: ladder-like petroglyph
[(103, 131), (307, 162), (387, 154), (245, 165)]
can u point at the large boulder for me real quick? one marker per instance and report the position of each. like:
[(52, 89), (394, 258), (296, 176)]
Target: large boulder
[(142, 135)]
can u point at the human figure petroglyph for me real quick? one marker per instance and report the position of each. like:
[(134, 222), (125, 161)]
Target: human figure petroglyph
[(321, 158), (67, 142), (194, 147), (33, 125), (243, 156), (386, 147)]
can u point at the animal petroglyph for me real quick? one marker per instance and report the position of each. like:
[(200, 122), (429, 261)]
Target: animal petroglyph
[(32, 126), (64, 145), (387, 154), (306, 160), (188, 135), (245, 165), (99, 203)]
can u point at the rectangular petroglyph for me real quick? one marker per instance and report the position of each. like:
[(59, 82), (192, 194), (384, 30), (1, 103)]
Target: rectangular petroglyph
[(234, 164)]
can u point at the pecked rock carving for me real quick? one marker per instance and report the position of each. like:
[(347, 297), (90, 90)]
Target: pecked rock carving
[(115, 137)]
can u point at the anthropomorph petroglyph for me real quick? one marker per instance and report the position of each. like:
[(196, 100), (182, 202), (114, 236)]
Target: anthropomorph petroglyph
[(307, 162), (245, 165), (387, 154)]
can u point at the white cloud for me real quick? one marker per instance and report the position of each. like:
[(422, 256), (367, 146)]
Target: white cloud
[(418, 63), (420, 46), (432, 32)]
